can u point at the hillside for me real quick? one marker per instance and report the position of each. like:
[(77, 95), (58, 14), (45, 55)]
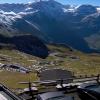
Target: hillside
[(25, 43), (53, 22), (60, 57)]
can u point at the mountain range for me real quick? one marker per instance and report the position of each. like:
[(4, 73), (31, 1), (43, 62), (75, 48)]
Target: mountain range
[(77, 26)]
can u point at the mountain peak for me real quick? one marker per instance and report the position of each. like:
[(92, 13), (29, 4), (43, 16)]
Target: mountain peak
[(52, 22), (86, 9)]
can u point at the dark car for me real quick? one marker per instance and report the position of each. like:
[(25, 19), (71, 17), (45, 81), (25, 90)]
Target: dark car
[(53, 96), (89, 91)]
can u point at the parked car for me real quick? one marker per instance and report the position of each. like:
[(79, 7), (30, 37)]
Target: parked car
[(89, 91), (53, 96)]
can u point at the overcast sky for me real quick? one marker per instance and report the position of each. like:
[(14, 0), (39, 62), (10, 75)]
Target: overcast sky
[(93, 2)]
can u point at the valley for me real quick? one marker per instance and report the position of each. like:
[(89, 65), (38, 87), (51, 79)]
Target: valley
[(47, 45), (80, 64), (47, 35)]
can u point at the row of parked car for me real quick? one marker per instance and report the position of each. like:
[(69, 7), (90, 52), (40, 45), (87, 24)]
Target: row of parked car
[(14, 67), (86, 91), (89, 90)]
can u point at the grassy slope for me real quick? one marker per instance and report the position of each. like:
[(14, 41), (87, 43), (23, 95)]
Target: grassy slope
[(84, 64), (11, 79)]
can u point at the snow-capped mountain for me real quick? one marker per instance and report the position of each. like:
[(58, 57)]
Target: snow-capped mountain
[(54, 22), (86, 9)]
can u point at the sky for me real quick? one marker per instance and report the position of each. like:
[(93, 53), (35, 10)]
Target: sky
[(75, 2)]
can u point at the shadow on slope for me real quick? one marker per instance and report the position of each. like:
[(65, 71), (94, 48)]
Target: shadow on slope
[(27, 44)]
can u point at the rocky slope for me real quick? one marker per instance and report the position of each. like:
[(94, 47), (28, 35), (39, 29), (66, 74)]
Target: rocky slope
[(54, 23)]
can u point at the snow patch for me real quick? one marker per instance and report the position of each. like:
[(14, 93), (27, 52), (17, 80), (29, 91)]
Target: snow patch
[(98, 9), (65, 10), (29, 2), (7, 13), (26, 13), (32, 24), (28, 9), (77, 7), (68, 10)]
